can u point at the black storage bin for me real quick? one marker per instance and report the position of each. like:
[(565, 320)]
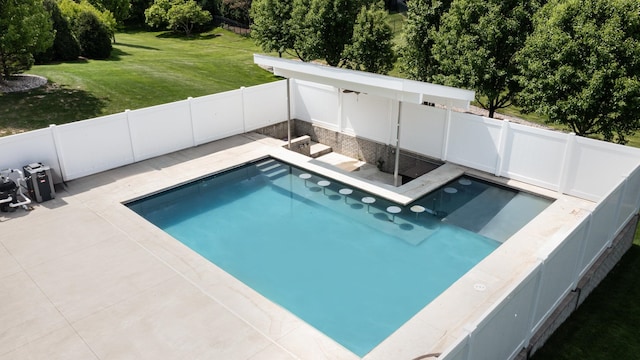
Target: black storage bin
[(39, 183)]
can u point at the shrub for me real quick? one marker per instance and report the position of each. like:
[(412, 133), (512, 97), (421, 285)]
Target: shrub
[(93, 35), (65, 45)]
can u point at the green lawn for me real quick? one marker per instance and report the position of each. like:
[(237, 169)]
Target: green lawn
[(607, 324), (145, 69)]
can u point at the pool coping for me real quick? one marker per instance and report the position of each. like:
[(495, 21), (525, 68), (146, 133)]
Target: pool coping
[(435, 328)]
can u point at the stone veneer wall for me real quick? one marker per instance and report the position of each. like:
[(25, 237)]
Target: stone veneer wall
[(598, 271), (375, 153)]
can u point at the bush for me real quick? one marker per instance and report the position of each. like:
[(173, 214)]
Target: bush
[(94, 37), (65, 45)]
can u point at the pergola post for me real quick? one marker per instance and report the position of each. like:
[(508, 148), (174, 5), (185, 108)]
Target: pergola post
[(289, 113), (396, 170)]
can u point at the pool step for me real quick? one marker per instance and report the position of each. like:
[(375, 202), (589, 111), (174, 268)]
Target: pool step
[(318, 149), (478, 212), (513, 216), (272, 169)]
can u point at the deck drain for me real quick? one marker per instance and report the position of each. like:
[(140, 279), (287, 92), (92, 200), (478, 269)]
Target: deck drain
[(480, 287)]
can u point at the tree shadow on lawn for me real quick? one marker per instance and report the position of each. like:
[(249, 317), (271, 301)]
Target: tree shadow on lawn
[(182, 36), (51, 104), (135, 46), (116, 54)]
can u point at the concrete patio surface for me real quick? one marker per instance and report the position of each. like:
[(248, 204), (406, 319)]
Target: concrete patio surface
[(83, 277)]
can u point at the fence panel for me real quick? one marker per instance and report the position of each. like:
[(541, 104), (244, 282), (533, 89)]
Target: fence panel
[(368, 116), (160, 129), (457, 351), (534, 155), (217, 116), (26, 148), (474, 141), (265, 105), (422, 129), (559, 268), (91, 146), (316, 103), (602, 229), (630, 198), (503, 332), (592, 158)]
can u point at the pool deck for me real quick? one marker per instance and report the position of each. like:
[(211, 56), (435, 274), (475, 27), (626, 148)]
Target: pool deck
[(83, 277)]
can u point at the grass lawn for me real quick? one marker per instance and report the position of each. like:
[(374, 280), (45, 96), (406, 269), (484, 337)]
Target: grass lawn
[(607, 324), (145, 69)]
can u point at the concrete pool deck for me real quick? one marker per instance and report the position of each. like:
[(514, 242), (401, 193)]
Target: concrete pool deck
[(83, 277)]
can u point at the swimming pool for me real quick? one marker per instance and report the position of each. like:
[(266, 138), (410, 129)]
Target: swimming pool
[(353, 265)]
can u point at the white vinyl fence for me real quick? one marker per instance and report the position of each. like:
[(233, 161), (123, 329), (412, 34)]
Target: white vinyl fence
[(87, 147), (606, 173)]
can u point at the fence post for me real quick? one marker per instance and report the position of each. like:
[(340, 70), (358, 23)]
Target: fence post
[(623, 188), (244, 120), (566, 163), (447, 132), (193, 129), (583, 249), (502, 146), (131, 142), (59, 154)]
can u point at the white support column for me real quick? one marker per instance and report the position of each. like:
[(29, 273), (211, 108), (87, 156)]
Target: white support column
[(396, 175), (289, 113), (447, 132)]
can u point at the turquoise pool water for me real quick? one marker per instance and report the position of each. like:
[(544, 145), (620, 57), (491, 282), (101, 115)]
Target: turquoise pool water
[(354, 271)]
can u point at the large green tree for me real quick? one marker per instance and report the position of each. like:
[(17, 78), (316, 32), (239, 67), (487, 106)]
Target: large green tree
[(581, 66), (371, 48), (119, 8), (270, 28), (177, 15), (423, 21), (476, 46), (25, 29), (324, 27)]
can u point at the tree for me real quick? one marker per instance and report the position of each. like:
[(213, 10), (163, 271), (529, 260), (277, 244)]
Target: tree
[(177, 15), (423, 21), (25, 29), (93, 35), (72, 10), (581, 66), (327, 26), (270, 28), (371, 48), (65, 44), (237, 10), (183, 16), (299, 30), (476, 47), (136, 13), (119, 8)]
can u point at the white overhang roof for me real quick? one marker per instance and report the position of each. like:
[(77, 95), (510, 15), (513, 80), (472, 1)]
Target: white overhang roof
[(363, 82)]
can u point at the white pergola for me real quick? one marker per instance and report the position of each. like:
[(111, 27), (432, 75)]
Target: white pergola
[(400, 90)]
